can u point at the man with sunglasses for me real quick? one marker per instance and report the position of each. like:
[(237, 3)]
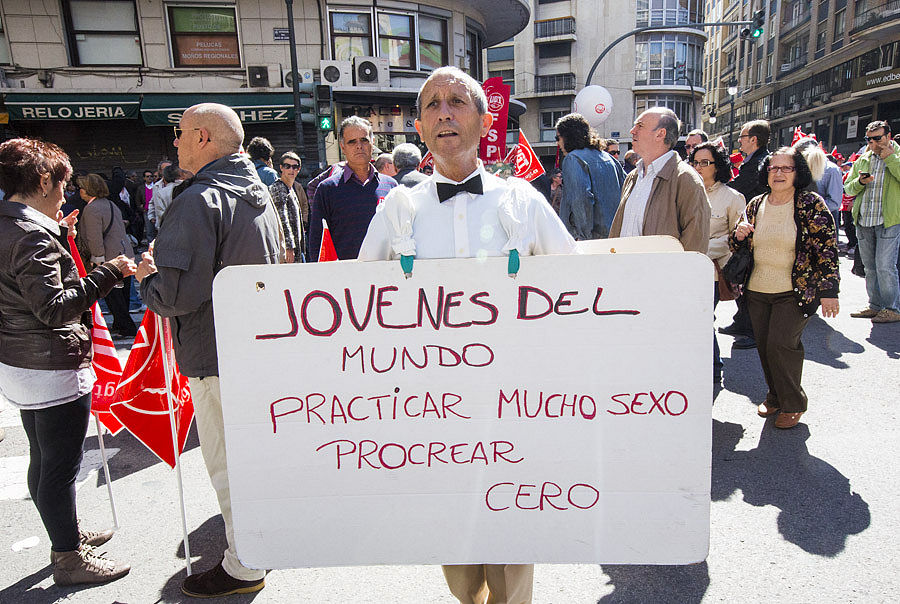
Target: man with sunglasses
[(288, 206), (347, 199), (220, 217), (875, 180)]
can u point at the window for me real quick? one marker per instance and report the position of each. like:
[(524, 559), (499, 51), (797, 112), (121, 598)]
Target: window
[(432, 43), (503, 53), (656, 56), (839, 25), (473, 54), (407, 40), (555, 50), (681, 105), (509, 78), (821, 35), (102, 33), (395, 39), (204, 36), (548, 124), (351, 35), (4, 50)]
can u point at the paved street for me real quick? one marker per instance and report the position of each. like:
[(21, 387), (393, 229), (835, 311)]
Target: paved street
[(804, 515)]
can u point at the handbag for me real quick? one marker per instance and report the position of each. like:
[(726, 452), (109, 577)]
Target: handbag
[(738, 268), (726, 290)]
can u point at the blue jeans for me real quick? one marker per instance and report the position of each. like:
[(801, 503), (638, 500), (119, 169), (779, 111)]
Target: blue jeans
[(878, 247)]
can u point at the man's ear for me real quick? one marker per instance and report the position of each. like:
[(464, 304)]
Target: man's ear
[(486, 120), (418, 126)]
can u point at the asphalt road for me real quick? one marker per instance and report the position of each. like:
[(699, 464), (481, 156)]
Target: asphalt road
[(804, 515)]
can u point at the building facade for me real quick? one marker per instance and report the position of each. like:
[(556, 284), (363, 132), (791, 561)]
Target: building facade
[(828, 66), (107, 79), (549, 61)]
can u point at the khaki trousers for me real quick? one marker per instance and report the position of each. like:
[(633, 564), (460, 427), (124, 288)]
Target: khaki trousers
[(490, 583), (211, 429), (777, 326)]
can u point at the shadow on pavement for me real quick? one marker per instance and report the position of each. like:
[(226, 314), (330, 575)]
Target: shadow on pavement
[(826, 346), (742, 374), (887, 338), (651, 583), (132, 456), (818, 509), (208, 542), (27, 591)]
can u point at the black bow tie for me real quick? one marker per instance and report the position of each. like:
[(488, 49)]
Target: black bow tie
[(445, 190)]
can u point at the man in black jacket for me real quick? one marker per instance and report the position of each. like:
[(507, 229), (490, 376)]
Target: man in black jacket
[(753, 141)]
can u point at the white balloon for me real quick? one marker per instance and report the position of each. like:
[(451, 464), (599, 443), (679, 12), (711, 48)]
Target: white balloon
[(594, 103)]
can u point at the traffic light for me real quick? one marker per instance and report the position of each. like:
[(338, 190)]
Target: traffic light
[(324, 107), (759, 21)]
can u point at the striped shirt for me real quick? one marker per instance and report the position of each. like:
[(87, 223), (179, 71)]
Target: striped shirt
[(870, 211)]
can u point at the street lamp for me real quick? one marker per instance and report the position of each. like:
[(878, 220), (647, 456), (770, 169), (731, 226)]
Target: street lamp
[(732, 91)]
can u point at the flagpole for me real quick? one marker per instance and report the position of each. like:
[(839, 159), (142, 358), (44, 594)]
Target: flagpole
[(162, 327), (112, 502)]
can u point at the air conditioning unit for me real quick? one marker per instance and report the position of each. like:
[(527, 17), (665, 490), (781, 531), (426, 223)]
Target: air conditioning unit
[(264, 76), (336, 73), (372, 71), (306, 77)]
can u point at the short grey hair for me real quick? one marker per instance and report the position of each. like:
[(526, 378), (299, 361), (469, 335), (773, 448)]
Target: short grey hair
[(407, 156), (354, 121), (669, 121), (382, 160), (476, 92), (698, 132)]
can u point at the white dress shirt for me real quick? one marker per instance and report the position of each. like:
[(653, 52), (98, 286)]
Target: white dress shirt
[(509, 214), (636, 204)]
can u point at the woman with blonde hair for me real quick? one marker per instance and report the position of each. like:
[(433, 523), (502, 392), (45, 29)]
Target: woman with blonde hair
[(103, 235)]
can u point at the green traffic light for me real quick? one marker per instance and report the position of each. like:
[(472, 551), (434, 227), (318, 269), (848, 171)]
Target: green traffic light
[(326, 123), (757, 32)]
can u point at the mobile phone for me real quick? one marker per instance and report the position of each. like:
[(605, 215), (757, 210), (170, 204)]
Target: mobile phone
[(865, 174)]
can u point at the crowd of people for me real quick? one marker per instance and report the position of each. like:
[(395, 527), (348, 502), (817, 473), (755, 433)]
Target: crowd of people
[(222, 206)]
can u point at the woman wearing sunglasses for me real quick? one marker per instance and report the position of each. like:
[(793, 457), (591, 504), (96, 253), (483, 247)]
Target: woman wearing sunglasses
[(794, 270), (726, 208), (288, 206)]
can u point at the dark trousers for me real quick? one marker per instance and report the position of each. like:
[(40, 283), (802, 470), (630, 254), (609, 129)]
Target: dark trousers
[(778, 325), (849, 228), (118, 300), (56, 437), (741, 318)]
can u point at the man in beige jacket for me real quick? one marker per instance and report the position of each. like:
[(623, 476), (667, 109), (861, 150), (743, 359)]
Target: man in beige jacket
[(663, 195)]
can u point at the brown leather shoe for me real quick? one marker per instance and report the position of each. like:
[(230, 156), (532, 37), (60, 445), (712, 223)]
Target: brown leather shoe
[(787, 420), (93, 538), (216, 582), (83, 565), (865, 313), (764, 410)]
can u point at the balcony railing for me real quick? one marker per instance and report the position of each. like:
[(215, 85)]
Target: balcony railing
[(875, 16), (793, 65), (665, 16), (554, 83), (554, 27), (795, 21)]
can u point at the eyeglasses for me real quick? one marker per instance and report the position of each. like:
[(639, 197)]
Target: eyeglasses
[(291, 166), (874, 139), (782, 169), (616, 153), (180, 131), (703, 163), (743, 136)]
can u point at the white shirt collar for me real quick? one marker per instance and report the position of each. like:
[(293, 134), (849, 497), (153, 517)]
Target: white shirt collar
[(656, 165), (479, 169)]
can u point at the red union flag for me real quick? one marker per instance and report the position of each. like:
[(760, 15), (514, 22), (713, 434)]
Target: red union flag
[(327, 253), (493, 144), (141, 398), (105, 361), (525, 160), (428, 160)]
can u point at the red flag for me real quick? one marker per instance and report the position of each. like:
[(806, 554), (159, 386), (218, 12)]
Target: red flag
[(798, 134), (327, 253), (105, 361), (493, 144), (525, 160), (142, 396), (428, 160)]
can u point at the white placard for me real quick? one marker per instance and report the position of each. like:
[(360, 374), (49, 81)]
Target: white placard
[(462, 416)]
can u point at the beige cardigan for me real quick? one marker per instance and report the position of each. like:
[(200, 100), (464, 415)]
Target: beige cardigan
[(678, 206)]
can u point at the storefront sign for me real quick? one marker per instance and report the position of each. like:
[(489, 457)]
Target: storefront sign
[(460, 416), (202, 51), (166, 109), (204, 36), (878, 79), (281, 34), (72, 106), (852, 126)]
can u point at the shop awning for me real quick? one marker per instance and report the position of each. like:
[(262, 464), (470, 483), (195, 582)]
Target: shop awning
[(51, 106), (253, 108)]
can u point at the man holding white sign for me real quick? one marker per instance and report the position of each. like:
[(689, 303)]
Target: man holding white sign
[(462, 211)]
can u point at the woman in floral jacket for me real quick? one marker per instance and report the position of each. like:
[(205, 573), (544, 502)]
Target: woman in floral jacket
[(794, 270)]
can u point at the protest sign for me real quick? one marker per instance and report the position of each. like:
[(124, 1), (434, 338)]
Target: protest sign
[(461, 416)]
